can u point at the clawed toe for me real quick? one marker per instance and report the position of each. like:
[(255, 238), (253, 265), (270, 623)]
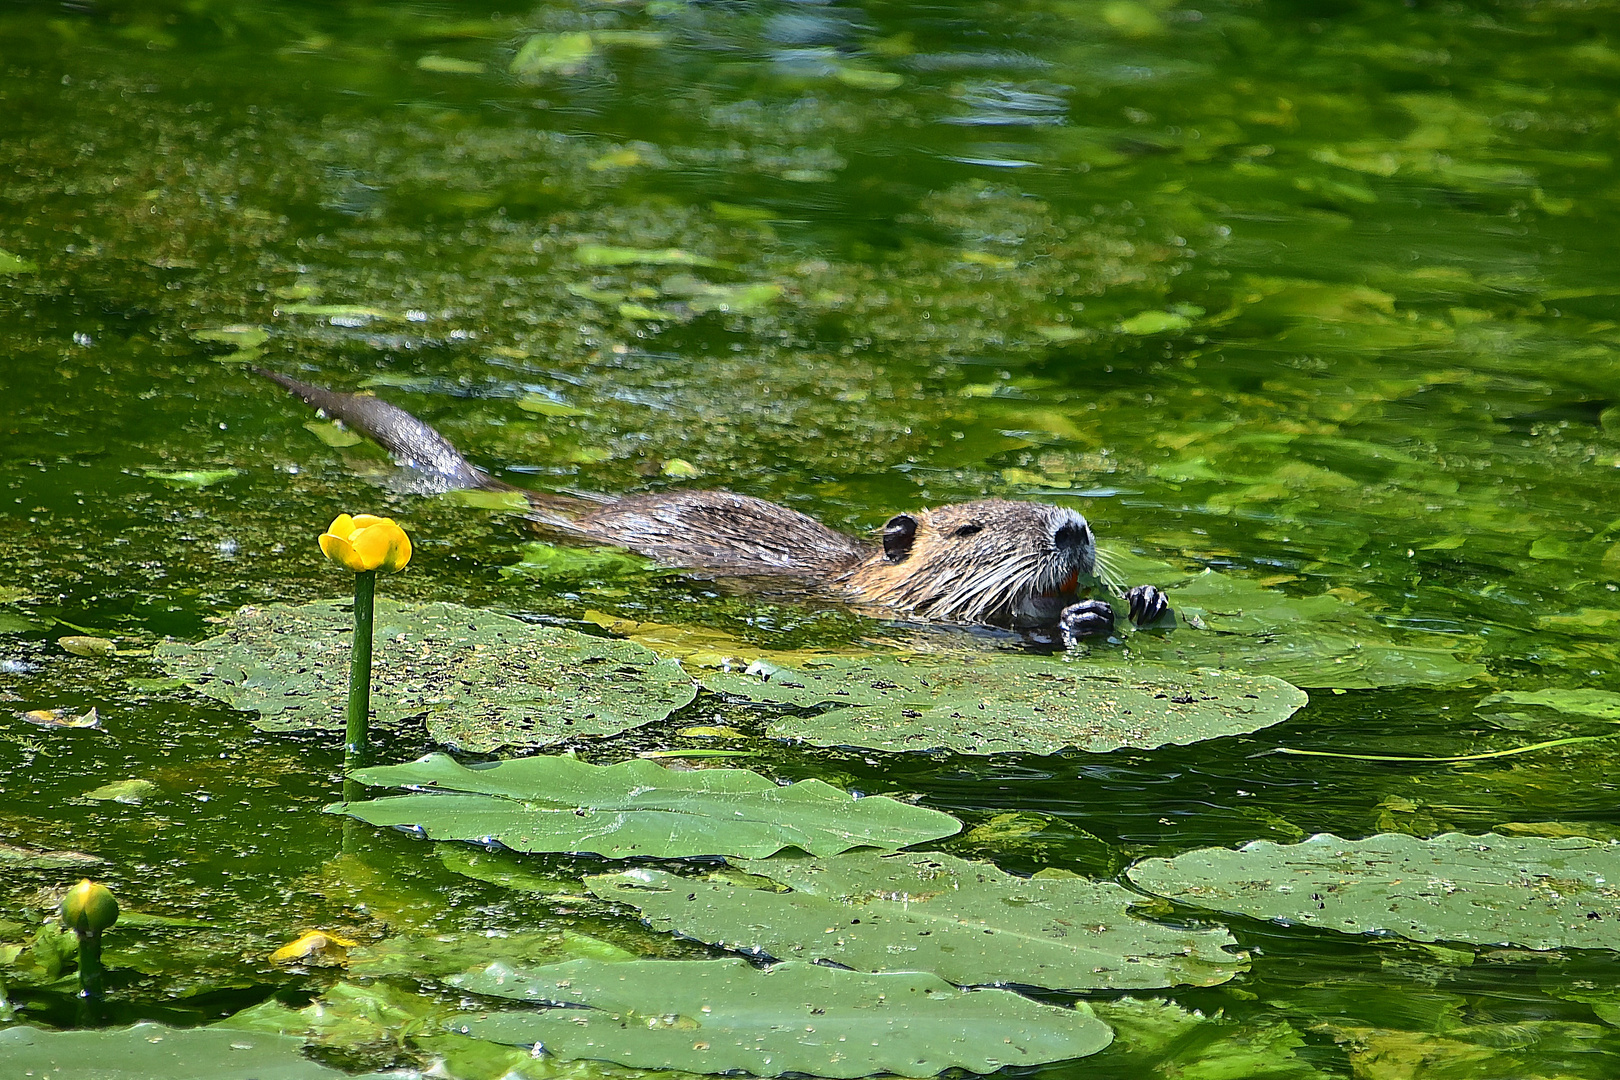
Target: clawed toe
[(1088, 618), (1148, 605)]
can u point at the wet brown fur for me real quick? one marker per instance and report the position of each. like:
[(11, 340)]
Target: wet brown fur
[(992, 561)]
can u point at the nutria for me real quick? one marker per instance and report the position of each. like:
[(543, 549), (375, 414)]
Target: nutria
[(992, 562)]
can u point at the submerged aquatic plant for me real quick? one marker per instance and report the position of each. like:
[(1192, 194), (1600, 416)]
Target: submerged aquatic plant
[(365, 544)]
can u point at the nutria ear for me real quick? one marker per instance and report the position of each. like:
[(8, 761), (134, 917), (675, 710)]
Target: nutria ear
[(898, 533)]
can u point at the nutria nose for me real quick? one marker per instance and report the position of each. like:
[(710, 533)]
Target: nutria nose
[(1070, 536)]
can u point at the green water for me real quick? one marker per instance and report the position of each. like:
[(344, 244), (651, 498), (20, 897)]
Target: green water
[(1320, 295)]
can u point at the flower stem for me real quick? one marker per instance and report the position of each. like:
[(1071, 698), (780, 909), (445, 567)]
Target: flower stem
[(354, 736)]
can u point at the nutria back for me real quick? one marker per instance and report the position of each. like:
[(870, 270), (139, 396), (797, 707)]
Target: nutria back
[(991, 561), (724, 532)]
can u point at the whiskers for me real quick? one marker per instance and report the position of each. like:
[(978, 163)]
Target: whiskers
[(1107, 570)]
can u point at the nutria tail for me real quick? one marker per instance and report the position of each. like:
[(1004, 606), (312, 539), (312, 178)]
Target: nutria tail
[(411, 442)]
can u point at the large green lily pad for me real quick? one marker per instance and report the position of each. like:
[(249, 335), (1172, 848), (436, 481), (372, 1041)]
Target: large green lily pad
[(481, 680), (146, 1051), (965, 921), (638, 808), (714, 1016), (995, 703), (1487, 890), (1318, 641)]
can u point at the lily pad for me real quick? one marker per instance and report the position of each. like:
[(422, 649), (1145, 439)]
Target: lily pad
[(482, 680), (637, 808), (966, 921), (147, 1050), (713, 1016), (988, 704), (1487, 890), (1237, 624)]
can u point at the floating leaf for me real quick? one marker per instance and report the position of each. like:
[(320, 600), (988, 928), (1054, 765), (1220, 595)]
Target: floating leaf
[(637, 808), (449, 65), (713, 1016), (550, 562), (434, 957), (965, 921), (340, 313), (562, 54), (16, 264), (1488, 890), (333, 434), (22, 858), (151, 1050), (506, 501), (85, 645), (604, 255), (1156, 1038), (64, 718), (1154, 322), (545, 406), (505, 869), (1602, 704), (482, 680), (17, 624), (130, 792), (1312, 641), (996, 703), (192, 478), (243, 337), (1527, 1049)]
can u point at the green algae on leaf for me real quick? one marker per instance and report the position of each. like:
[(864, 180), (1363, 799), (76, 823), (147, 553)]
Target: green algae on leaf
[(151, 1050), (482, 680), (966, 921), (994, 703), (716, 1016), (637, 808), (1486, 890)]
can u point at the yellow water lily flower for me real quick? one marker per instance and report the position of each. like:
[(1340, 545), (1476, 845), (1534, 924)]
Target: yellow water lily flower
[(89, 908), (366, 542)]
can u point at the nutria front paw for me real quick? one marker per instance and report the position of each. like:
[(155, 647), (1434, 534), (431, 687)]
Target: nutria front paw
[(1148, 604), (1088, 618)]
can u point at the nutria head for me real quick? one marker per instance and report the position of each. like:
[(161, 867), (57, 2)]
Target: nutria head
[(993, 561)]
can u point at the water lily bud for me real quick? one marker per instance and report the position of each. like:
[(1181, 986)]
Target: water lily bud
[(366, 542), (89, 908)]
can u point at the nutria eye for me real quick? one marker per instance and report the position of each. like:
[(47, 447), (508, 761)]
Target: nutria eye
[(967, 530), (1070, 536)]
